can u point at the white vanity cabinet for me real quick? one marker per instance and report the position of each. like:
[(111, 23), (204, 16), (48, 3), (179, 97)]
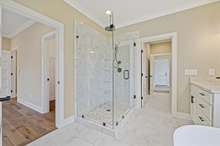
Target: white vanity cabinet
[(205, 103)]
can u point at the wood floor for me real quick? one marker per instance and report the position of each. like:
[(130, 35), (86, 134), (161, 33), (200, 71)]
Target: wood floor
[(22, 125)]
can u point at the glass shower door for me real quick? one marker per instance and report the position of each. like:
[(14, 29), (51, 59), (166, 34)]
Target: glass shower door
[(123, 80), (93, 76)]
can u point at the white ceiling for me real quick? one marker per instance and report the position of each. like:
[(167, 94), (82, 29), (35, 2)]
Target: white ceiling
[(13, 23), (128, 12)]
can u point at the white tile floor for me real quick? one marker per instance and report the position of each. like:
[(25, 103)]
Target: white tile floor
[(151, 126)]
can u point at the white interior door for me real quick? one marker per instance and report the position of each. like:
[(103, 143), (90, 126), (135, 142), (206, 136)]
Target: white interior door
[(151, 74), (161, 72), (50, 65), (6, 74), (14, 73), (145, 66), (51, 75)]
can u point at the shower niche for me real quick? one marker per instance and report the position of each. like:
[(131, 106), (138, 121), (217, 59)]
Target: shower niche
[(104, 77)]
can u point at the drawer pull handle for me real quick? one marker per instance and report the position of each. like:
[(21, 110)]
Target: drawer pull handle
[(202, 106), (202, 94), (201, 119)]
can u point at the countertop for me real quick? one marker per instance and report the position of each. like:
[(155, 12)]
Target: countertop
[(208, 85)]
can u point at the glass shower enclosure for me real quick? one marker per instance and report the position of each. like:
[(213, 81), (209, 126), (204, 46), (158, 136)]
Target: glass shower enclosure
[(104, 77)]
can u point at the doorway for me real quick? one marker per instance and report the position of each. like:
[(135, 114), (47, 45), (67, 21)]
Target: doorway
[(49, 70), (24, 112), (59, 28), (159, 68)]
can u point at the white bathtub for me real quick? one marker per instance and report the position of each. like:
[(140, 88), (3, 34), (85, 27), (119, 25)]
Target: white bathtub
[(194, 135)]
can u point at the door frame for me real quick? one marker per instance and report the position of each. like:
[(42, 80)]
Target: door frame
[(173, 37), (152, 57), (38, 17), (44, 71)]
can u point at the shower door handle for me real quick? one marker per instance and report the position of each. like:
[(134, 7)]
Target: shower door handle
[(126, 74)]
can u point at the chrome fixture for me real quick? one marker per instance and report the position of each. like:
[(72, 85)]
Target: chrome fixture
[(111, 28)]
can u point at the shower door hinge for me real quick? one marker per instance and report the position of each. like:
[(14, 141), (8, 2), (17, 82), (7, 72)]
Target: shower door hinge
[(142, 51), (134, 44), (142, 98), (192, 99), (134, 96), (142, 74)]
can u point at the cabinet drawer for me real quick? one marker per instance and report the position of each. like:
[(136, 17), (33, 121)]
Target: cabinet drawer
[(201, 119), (204, 108), (200, 93)]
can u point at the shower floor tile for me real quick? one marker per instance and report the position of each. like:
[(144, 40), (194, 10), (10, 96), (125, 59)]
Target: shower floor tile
[(103, 113)]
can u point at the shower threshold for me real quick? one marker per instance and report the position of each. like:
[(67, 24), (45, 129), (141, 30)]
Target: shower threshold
[(100, 118)]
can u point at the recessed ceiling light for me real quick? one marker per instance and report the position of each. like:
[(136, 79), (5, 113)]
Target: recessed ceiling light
[(108, 12)]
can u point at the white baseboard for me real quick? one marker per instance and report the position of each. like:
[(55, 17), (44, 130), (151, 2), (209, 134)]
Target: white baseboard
[(30, 105), (182, 115), (67, 121)]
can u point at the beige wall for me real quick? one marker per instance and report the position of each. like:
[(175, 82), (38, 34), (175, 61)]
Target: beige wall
[(198, 37), (28, 46), (6, 44), (62, 12), (198, 42), (159, 48)]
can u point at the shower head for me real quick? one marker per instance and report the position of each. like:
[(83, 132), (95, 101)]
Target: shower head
[(111, 26)]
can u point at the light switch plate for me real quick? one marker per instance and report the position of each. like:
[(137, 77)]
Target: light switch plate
[(191, 72), (212, 72)]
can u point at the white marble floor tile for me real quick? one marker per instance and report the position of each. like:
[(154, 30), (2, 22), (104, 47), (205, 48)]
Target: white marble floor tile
[(153, 125)]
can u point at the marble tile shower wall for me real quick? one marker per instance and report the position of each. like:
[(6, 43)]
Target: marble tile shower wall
[(94, 69)]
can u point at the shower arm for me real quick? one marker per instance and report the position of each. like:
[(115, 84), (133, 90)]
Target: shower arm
[(114, 47)]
